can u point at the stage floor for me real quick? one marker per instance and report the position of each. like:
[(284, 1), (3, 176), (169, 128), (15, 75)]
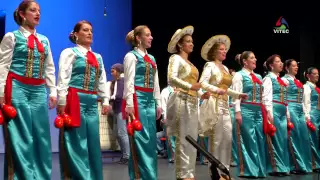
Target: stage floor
[(113, 171)]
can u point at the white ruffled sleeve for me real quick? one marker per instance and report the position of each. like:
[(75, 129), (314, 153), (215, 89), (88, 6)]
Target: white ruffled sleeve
[(50, 73), (129, 64), (66, 60), (267, 93), (306, 99), (102, 86), (238, 87), (6, 53), (156, 90)]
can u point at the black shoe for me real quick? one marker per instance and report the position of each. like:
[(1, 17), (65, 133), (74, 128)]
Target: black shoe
[(123, 161)]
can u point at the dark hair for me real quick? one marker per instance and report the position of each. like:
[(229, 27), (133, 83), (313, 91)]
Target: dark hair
[(180, 42), (237, 58), (270, 60), (308, 72), (288, 63), (213, 51), (137, 31), (77, 28), (244, 55), (23, 6)]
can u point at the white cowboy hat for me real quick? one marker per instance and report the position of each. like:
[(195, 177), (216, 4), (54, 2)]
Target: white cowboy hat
[(213, 40), (177, 36)]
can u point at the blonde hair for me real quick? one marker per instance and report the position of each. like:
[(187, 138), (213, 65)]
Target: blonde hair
[(137, 31)]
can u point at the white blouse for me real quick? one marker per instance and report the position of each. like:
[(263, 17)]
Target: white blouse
[(129, 64), (238, 87), (267, 93), (6, 52), (306, 99), (209, 70), (67, 58), (176, 76)]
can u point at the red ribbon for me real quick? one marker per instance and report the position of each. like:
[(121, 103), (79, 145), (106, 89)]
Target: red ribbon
[(317, 89), (255, 79), (281, 82), (148, 60), (24, 80), (31, 39), (73, 105), (92, 60), (298, 83)]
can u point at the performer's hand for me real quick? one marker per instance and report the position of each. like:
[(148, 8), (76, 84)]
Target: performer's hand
[(195, 87), (270, 117), (243, 96), (220, 91), (288, 119), (2, 101), (159, 112), (206, 95), (52, 102), (61, 109), (105, 109), (238, 117), (129, 110)]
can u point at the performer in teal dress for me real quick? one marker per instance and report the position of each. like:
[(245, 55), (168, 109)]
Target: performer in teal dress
[(143, 100), (249, 119), (275, 99), (300, 153), (81, 79), (26, 70), (311, 107)]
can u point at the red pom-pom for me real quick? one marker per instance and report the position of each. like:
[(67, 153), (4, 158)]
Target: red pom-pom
[(137, 125), (130, 129), (58, 122), (9, 111)]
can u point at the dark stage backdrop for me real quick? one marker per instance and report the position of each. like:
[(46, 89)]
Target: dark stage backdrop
[(249, 27), (2, 23), (57, 21)]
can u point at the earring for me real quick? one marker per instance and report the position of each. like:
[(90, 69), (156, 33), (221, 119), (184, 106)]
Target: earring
[(76, 39)]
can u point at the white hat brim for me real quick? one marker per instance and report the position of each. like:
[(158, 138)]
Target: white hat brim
[(213, 40), (177, 36)]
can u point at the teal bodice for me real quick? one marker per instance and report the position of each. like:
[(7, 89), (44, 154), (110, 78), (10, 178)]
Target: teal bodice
[(254, 90), (27, 62), (144, 72), (314, 98), (84, 76), (279, 92), (294, 93)]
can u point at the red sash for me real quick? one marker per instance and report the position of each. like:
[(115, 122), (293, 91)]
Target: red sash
[(24, 80), (73, 105)]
